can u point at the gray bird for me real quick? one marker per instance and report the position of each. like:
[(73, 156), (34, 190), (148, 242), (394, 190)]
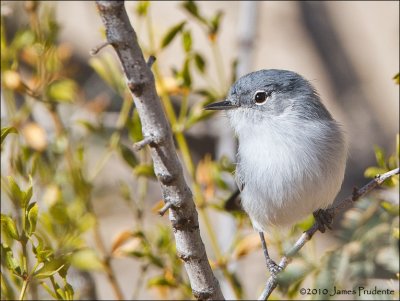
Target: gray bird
[(292, 154)]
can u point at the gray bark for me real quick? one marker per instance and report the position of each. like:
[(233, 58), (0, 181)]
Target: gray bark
[(157, 134)]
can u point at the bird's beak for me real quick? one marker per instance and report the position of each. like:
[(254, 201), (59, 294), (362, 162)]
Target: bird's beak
[(222, 105)]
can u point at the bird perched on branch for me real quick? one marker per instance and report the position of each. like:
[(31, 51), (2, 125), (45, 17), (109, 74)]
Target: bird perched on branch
[(292, 154)]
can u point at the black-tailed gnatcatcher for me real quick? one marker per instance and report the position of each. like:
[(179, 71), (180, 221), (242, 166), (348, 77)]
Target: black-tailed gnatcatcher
[(292, 154)]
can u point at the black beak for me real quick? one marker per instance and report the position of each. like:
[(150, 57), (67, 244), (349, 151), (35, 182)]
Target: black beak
[(222, 105)]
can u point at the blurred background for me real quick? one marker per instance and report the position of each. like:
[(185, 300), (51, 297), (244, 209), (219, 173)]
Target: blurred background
[(349, 50)]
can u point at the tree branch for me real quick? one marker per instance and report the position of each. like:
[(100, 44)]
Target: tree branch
[(307, 235), (182, 213)]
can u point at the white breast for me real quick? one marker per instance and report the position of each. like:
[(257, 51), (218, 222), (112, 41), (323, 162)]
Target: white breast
[(289, 170)]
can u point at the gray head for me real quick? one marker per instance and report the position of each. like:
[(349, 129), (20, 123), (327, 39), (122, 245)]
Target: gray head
[(274, 92)]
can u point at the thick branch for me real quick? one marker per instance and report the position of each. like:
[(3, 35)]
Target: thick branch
[(335, 209), (167, 167)]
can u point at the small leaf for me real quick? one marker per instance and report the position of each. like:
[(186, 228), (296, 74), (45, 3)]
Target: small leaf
[(380, 156), (49, 268), (372, 172), (155, 260), (142, 8), (120, 239), (9, 227), (160, 281), (187, 41), (16, 194), (32, 214), (109, 71), (62, 90), (69, 292), (215, 22), (10, 262), (170, 35), (49, 290), (7, 130), (86, 259), (41, 252), (134, 127), (186, 77), (199, 62), (145, 170), (191, 8), (88, 125), (128, 155), (396, 78)]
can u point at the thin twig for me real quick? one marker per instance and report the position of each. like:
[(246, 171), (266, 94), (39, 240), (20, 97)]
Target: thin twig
[(139, 145), (164, 208), (307, 235), (151, 61), (95, 50)]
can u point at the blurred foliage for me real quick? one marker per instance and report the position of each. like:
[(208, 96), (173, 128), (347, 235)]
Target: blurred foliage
[(49, 187)]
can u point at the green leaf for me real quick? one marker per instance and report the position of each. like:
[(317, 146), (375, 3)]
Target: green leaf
[(191, 8), (62, 90), (160, 281), (22, 39), (134, 127), (215, 22), (157, 261), (49, 268), (109, 71), (186, 77), (7, 290), (8, 258), (396, 78), (9, 227), (145, 170), (7, 130), (86, 259), (88, 125), (200, 62), (372, 172), (142, 8), (42, 253), (128, 155), (380, 156), (187, 41), (16, 194), (171, 33), (32, 214), (69, 292), (49, 290)]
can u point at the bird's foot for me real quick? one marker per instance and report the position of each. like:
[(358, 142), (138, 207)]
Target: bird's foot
[(323, 219), (273, 267)]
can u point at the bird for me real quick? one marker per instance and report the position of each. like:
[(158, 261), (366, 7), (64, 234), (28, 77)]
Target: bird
[(292, 153)]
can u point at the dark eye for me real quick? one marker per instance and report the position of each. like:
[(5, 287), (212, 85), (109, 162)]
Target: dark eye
[(260, 97)]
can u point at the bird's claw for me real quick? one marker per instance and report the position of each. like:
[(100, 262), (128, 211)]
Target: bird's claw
[(273, 267), (323, 219)]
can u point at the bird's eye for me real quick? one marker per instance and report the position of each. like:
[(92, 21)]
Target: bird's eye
[(260, 97)]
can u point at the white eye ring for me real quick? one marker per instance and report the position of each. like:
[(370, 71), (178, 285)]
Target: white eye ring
[(260, 97)]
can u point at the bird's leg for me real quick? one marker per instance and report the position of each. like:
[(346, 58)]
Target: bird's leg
[(271, 265), (323, 218)]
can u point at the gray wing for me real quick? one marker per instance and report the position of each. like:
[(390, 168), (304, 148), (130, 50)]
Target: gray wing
[(239, 176)]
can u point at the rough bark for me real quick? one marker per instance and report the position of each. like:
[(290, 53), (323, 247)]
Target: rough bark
[(158, 135)]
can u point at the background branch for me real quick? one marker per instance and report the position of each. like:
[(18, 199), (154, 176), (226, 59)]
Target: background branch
[(183, 214), (307, 235)]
